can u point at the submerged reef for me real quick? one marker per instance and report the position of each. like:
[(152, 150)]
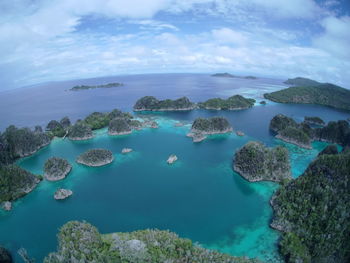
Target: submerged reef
[(255, 162), (82, 242)]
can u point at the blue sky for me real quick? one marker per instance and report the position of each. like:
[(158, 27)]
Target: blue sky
[(49, 40)]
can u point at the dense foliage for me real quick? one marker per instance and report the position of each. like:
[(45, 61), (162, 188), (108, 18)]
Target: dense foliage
[(330, 149), (211, 125), (15, 182), (334, 132), (81, 242), (232, 103), (80, 131), (97, 120), (280, 122), (314, 120), (149, 103), (313, 211), (323, 94), (296, 135), (55, 129), (305, 82), (56, 168), (255, 162), (95, 157), (15, 143), (86, 87), (119, 126)]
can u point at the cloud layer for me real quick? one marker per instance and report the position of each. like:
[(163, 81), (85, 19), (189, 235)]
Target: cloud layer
[(46, 40)]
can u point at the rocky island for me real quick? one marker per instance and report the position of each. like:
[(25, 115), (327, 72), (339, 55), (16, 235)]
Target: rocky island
[(80, 131), (255, 162), (103, 86), (80, 240), (202, 127), (322, 94), (236, 102), (314, 121), (56, 169), (312, 211), (61, 194), (149, 103), (228, 75), (172, 158), (119, 126), (16, 182), (96, 157)]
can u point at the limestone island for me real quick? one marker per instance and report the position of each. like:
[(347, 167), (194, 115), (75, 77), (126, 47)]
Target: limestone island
[(172, 158), (150, 103), (119, 126), (56, 169), (312, 211), (325, 94), (290, 131), (262, 102), (236, 102), (95, 157), (228, 75), (16, 182), (314, 121), (255, 162), (80, 131), (202, 127), (61, 194), (103, 86), (78, 241)]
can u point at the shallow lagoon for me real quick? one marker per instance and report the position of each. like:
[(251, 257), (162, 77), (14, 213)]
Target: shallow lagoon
[(199, 197)]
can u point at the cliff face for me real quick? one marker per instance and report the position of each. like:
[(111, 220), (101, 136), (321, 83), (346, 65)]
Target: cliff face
[(313, 212), (81, 241), (255, 162), (16, 182), (212, 125), (150, 103)]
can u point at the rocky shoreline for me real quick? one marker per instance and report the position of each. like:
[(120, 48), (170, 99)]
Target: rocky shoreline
[(293, 141)]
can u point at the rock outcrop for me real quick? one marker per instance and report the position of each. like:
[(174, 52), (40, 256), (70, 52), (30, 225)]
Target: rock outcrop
[(119, 126), (255, 162), (172, 158), (61, 194), (149, 103), (56, 169), (7, 206), (236, 102), (96, 157), (80, 131), (202, 127), (126, 150)]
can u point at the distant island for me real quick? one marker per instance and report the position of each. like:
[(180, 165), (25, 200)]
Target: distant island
[(80, 240), (103, 86), (150, 103), (255, 162), (228, 75), (299, 81), (236, 102), (312, 92)]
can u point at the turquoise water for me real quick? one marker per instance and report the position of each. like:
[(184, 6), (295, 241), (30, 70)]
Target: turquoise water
[(198, 197)]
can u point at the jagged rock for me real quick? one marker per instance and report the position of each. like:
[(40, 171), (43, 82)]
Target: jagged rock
[(62, 194), (7, 206), (240, 133), (197, 136), (172, 158), (56, 169), (80, 131), (126, 150)]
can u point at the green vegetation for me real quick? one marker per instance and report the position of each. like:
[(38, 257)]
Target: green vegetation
[(149, 103), (330, 149), (235, 102), (322, 94), (16, 182), (81, 242), (95, 157), (80, 131), (54, 128), (313, 212), (97, 120), (56, 169), (303, 82), (86, 87), (295, 135), (211, 125), (280, 122), (65, 122), (334, 132), (255, 162), (119, 126), (314, 120)]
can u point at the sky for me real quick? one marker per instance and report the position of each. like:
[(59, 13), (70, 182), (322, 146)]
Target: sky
[(52, 40)]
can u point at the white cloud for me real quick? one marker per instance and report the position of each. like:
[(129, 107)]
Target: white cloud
[(336, 36), (227, 35)]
